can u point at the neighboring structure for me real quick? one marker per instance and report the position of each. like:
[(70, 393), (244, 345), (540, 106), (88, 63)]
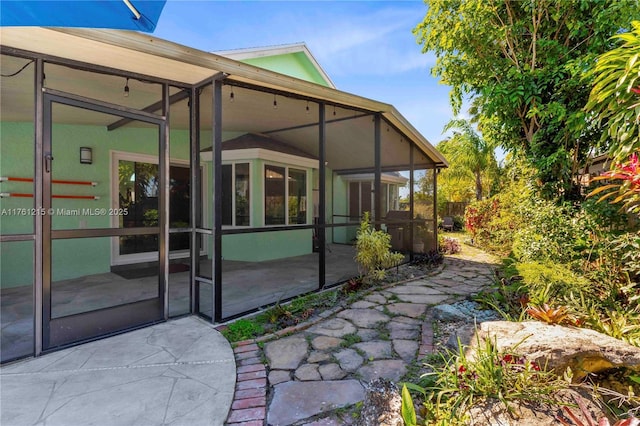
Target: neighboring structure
[(145, 180)]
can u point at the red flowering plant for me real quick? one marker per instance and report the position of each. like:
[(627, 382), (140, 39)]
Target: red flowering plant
[(484, 372), (623, 184)]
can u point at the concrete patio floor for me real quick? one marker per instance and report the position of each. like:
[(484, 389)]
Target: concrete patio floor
[(180, 372)]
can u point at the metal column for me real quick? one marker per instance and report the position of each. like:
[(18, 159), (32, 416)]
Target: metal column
[(411, 198), (217, 200), (194, 193), (377, 185), (163, 169), (322, 216), (38, 201)]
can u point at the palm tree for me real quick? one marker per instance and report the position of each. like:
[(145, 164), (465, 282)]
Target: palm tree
[(468, 152)]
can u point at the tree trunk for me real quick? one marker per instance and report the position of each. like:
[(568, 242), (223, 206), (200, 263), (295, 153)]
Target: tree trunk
[(478, 186)]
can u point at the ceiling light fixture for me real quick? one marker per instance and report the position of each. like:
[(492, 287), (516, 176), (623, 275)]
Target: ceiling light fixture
[(126, 88)]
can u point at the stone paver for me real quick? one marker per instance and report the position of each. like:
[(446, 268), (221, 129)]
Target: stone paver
[(324, 366), (375, 349), (286, 353), (392, 369), (295, 401), (364, 318), (336, 327)]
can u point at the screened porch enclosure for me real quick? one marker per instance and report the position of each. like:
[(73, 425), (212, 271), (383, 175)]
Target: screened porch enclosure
[(212, 189)]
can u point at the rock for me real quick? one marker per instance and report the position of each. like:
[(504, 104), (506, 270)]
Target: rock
[(413, 310), (349, 359), (391, 369), (448, 313), (307, 372), (425, 299), (365, 318), (296, 401), (362, 304), (376, 298), (407, 349), (316, 356), (464, 335), (325, 342), (398, 330), (585, 351), (376, 349), (381, 406), (368, 334), (279, 376), (286, 353), (331, 372), (335, 327)]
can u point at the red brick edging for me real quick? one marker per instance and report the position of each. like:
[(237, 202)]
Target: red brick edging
[(249, 407)]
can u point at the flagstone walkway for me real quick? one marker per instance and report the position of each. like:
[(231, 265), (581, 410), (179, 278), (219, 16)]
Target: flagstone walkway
[(307, 373)]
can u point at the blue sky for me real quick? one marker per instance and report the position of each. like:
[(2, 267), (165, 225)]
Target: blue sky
[(366, 47)]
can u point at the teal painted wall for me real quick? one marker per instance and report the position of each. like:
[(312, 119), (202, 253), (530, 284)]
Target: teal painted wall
[(342, 235), (293, 64), (267, 245), (71, 258)]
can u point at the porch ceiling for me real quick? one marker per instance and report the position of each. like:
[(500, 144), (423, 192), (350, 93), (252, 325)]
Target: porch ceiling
[(349, 129)]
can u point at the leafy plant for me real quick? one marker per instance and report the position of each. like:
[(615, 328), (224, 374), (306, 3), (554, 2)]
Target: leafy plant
[(614, 97), (627, 186), (373, 251), (545, 313), (449, 245), (242, 329), (589, 420), (465, 381), (407, 408)]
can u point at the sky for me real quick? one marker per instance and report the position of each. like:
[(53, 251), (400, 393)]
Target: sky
[(366, 47)]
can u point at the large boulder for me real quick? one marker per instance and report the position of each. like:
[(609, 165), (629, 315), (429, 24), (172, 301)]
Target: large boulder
[(585, 351)]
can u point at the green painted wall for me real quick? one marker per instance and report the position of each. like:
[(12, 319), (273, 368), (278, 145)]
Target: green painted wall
[(342, 235), (71, 258), (267, 245), (293, 64)]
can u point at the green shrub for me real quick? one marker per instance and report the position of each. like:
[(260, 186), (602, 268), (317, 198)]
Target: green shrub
[(242, 329), (547, 282), (373, 251)]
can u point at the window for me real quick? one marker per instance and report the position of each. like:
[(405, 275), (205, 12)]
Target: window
[(236, 195), (138, 195), (285, 200), (361, 198)]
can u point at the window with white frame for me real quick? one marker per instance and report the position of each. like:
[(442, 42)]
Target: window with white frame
[(236, 194), (285, 195)]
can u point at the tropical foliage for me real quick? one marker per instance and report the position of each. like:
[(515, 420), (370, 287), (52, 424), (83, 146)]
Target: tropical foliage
[(615, 97), (471, 158), (525, 64), (373, 251)]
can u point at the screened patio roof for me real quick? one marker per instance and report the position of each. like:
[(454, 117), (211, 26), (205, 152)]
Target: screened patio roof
[(145, 59)]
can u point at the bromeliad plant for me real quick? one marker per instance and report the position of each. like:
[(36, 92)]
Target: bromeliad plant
[(626, 188)]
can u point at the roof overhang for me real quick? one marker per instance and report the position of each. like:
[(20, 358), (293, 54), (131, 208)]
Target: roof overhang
[(184, 66)]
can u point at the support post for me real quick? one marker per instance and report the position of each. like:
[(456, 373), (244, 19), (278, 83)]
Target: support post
[(38, 203), (411, 198), (217, 200), (194, 197), (322, 189), (377, 185), (435, 206), (164, 170)]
